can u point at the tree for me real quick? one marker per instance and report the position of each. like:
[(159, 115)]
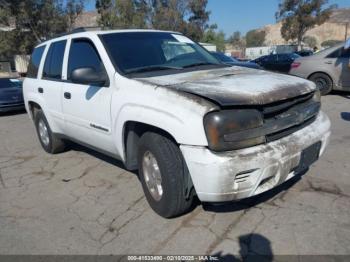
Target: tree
[(255, 38), (34, 21), (73, 9), (330, 43), (299, 16), (311, 41), (186, 16), (105, 8), (217, 38), (198, 20), (170, 15), (121, 13), (237, 40)]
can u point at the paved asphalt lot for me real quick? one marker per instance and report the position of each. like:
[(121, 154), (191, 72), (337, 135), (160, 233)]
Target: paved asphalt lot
[(80, 202)]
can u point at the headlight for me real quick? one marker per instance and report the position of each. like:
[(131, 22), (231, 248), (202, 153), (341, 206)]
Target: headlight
[(225, 129)]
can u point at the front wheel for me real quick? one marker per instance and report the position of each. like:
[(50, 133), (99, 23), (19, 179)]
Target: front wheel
[(323, 82), (48, 140), (164, 175)]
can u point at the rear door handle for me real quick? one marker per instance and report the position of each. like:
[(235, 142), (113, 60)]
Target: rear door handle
[(328, 62), (67, 95), (41, 90)]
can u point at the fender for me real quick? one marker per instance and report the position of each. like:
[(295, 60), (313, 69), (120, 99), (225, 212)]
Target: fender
[(177, 113), (183, 132), (36, 98)]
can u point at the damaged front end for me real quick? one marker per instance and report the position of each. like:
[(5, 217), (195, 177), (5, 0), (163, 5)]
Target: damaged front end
[(253, 149), (242, 173), (231, 129), (264, 129)]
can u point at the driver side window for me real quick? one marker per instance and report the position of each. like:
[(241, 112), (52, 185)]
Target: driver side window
[(83, 54)]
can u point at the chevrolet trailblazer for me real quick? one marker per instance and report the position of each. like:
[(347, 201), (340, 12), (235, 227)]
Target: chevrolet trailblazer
[(166, 107)]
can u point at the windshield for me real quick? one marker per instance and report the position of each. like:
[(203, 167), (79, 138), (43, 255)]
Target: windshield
[(9, 82), (134, 52)]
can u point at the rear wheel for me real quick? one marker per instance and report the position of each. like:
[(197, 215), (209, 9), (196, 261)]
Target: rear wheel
[(49, 141), (323, 82), (164, 175)]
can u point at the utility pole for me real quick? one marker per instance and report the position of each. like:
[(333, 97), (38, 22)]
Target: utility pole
[(346, 31)]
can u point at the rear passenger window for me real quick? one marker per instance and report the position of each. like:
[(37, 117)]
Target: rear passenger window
[(271, 58), (83, 54), (34, 63), (336, 53), (346, 53), (282, 57), (54, 60)]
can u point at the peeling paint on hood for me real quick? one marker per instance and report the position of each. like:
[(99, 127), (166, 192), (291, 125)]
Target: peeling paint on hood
[(235, 85)]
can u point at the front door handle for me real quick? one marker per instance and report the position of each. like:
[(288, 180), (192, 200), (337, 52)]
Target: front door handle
[(41, 90), (67, 95), (328, 62)]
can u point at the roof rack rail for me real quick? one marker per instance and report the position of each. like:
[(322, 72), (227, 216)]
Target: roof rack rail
[(75, 30), (85, 29)]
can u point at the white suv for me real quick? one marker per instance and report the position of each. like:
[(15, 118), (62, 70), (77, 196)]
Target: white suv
[(166, 107)]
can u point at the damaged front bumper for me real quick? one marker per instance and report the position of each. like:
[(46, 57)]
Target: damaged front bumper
[(247, 172)]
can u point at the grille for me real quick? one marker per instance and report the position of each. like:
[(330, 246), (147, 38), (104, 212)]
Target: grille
[(290, 116), (281, 119), (278, 107), (288, 131)]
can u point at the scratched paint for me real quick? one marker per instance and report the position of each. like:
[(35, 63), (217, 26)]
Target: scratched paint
[(235, 85)]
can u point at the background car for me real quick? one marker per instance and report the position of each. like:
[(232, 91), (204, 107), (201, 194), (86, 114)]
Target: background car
[(11, 96), (234, 62), (277, 62), (329, 69), (305, 52)]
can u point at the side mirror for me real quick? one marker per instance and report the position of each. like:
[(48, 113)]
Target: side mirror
[(88, 76)]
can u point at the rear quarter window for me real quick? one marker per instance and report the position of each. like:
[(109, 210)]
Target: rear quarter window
[(34, 62)]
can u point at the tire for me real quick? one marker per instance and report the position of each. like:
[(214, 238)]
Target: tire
[(51, 143), (323, 82), (173, 172)]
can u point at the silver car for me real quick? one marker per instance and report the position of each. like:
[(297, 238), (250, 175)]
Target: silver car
[(329, 69)]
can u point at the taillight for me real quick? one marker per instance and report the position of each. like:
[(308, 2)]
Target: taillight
[(296, 64)]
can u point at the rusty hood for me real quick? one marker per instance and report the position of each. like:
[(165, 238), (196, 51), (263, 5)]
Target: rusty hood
[(235, 85)]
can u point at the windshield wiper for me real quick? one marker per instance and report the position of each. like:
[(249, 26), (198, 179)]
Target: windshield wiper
[(151, 68), (199, 64)]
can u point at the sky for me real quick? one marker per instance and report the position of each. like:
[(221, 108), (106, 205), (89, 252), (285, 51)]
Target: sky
[(242, 15)]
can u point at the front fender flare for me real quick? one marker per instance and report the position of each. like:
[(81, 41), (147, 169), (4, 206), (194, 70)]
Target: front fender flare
[(189, 131)]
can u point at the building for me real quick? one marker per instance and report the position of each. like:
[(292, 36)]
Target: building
[(209, 47), (255, 52)]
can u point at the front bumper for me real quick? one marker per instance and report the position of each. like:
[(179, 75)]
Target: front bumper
[(243, 173)]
